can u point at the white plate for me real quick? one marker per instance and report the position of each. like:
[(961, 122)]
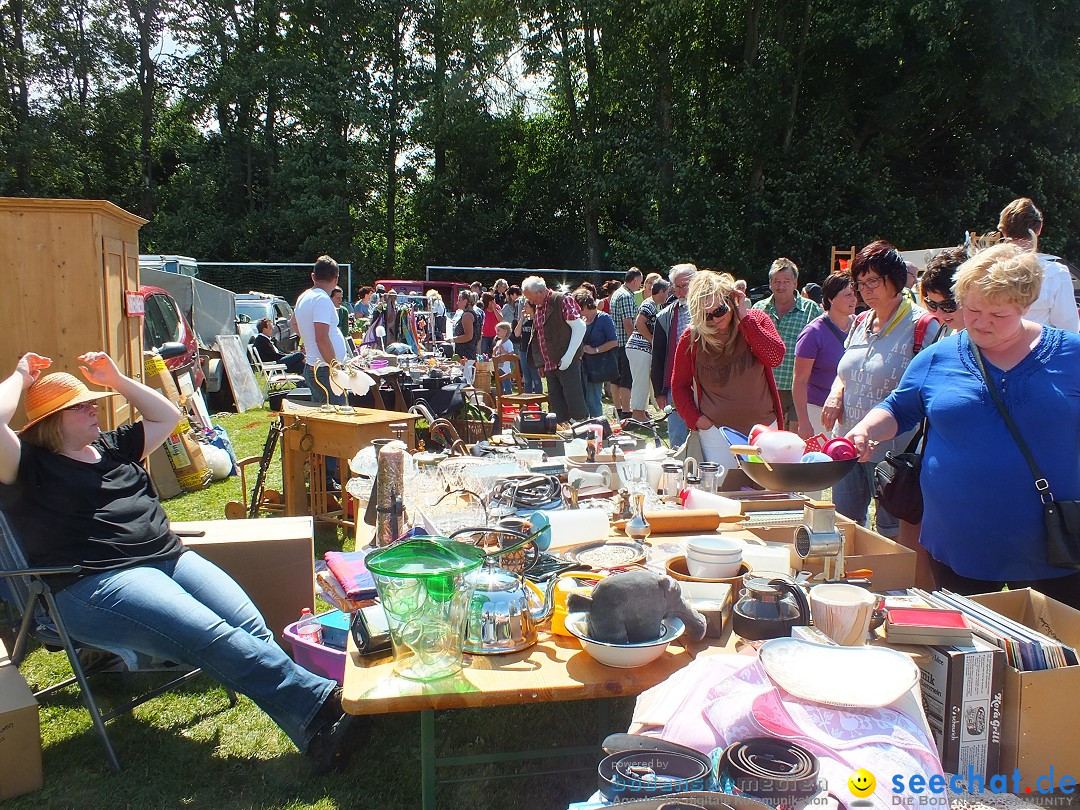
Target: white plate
[(865, 677)]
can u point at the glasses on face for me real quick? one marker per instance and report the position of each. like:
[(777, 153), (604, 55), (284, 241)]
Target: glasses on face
[(948, 305), (83, 407), (719, 312), (869, 282)]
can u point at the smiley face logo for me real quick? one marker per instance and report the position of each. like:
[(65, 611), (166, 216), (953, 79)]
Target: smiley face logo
[(861, 783)]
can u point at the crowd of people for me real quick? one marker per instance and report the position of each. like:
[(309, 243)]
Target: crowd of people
[(872, 352), (982, 334)]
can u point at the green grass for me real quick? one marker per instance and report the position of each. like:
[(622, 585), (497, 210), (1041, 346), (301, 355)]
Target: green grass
[(191, 749)]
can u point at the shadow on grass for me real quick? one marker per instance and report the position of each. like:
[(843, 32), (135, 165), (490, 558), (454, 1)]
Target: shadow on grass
[(191, 749)]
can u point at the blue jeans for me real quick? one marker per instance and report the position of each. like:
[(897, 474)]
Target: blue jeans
[(677, 431), (852, 495), (531, 382), (594, 394), (190, 611)]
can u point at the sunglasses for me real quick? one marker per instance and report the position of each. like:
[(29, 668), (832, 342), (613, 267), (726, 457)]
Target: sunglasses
[(84, 407), (719, 312), (948, 305)]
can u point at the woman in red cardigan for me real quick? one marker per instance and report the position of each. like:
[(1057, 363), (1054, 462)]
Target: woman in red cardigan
[(722, 372)]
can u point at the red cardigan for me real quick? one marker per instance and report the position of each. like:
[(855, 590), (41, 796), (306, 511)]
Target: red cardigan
[(765, 342)]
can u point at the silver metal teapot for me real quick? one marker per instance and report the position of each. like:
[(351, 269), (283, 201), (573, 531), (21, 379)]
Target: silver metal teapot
[(505, 611), (505, 608)]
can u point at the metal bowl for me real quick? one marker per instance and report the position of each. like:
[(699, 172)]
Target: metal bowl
[(796, 477), (789, 477)]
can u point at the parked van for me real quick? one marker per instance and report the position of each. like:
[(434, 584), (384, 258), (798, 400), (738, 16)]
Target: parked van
[(168, 263)]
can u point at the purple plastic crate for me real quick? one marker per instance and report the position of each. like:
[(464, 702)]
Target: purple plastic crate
[(317, 658)]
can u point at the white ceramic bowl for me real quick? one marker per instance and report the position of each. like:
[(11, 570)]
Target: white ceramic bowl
[(715, 545), (710, 568), (623, 656)]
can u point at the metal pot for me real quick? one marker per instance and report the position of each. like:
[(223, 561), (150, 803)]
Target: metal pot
[(504, 611)]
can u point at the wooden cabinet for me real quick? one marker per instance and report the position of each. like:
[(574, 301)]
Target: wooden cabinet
[(65, 266)]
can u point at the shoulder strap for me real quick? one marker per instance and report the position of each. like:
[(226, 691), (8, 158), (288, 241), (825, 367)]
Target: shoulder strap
[(920, 331), (1041, 484)]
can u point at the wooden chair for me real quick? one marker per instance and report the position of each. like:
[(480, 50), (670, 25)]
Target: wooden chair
[(839, 254), (513, 374)]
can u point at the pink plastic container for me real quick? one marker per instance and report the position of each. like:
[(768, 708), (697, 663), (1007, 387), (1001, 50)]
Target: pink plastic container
[(317, 658)]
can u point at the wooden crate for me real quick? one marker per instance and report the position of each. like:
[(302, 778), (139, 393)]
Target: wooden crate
[(65, 266)]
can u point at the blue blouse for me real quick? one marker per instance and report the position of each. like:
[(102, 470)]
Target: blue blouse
[(981, 513), (600, 331)]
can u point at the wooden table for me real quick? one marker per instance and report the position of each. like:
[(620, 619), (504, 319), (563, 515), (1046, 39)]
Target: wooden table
[(555, 669), (311, 437)]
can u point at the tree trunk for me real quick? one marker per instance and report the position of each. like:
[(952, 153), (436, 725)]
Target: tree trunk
[(665, 173), (17, 87), (800, 65), (752, 40), (392, 111), (143, 16)]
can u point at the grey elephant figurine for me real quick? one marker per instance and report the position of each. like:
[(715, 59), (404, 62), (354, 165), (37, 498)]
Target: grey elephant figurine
[(628, 608)]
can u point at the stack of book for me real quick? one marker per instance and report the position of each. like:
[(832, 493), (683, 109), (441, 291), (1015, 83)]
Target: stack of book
[(929, 625), (1025, 649)]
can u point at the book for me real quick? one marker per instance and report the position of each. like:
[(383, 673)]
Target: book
[(927, 626), (942, 620)]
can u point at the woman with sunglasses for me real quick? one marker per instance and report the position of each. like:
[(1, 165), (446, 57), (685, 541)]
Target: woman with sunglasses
[(722, 372), (935, 289), (76, 496), (877, 351), (982, 512)]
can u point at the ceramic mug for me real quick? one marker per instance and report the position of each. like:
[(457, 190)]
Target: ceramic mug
[(842, 612)]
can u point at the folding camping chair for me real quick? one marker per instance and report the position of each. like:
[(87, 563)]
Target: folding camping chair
[(276, 374), (34, 606)]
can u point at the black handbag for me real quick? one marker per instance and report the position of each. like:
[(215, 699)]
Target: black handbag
[(601, 368), (896, 480), (1061, 518)]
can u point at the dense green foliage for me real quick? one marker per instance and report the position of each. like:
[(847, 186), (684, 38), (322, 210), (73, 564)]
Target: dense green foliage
[(545, 133)]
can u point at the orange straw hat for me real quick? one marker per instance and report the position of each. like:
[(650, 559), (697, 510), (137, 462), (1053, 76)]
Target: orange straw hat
[(54, 392)]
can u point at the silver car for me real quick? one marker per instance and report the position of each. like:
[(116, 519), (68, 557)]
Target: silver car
[(254, 306)]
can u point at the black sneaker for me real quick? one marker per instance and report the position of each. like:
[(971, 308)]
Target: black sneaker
[(337, 734)]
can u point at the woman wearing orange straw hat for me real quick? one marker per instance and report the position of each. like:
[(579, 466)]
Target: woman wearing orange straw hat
[(78, 496)]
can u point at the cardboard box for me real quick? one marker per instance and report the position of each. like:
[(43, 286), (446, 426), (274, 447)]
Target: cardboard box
[(272, 559), (1039, 729), (20, 733), (893, 564), (961, 690)]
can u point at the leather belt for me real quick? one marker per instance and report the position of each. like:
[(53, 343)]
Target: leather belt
[(768, 768), (645, 774)]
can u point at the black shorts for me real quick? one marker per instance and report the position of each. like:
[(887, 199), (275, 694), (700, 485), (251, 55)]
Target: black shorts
[(626, 378)]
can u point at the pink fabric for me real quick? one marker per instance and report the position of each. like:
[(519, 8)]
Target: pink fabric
[(720, 699)]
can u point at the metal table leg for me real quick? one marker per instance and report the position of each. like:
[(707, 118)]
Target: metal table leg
[(427, 757)]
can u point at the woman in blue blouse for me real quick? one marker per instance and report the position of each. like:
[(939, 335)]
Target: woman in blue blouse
[(982, 516), (599, 338)]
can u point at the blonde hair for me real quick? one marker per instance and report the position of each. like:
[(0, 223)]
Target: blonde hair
[(48, 434), (649, 281), (1003, 274), (707, 290)]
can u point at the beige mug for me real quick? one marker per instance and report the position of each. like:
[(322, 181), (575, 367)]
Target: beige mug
[(842, 612)]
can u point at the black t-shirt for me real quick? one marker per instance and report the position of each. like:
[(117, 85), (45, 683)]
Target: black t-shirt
[(266, 349), (102, 516)]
